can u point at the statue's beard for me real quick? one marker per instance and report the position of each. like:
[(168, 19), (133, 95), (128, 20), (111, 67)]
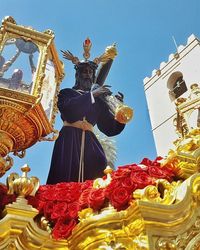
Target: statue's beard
[(85, 84)]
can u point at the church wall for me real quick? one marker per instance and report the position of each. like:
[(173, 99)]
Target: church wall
[(164, 137)]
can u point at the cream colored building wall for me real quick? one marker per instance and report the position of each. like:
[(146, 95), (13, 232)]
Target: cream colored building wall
[(164, 137), (162, 110)]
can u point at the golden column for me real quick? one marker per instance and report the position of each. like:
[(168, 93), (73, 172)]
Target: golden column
[(30, 75)]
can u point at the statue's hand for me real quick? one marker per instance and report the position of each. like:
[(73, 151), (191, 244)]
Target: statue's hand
[(120, 96), (102, 90)]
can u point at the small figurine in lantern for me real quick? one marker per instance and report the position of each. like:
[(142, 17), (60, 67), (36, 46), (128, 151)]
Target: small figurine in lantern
[(15, 81)]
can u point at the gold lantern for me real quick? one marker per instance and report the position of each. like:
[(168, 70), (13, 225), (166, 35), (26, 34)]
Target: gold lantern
[(30, 74), (121, 112)]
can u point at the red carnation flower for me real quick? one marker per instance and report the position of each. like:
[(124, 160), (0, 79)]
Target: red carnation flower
[(44, 188), (73, 209), (33, 201), (146, 162), (67, 195), (83, 200), (142, 179), (160, 172), (86, 184), (135, 168), (7, 199), (158, 159), (46, 194), (60, 210), (48, 209), (67, 192), (112, 186), (41, 205), (119, 198), (4, 197), (121, 172), (96, 198), (63, 229), (128, 184), (157, 172)]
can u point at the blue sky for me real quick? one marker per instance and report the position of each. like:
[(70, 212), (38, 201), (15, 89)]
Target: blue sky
[(143, 31)]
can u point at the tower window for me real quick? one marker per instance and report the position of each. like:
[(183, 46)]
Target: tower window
[(176, 85), (179, 87)]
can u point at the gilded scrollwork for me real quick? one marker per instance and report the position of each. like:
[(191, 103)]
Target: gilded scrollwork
[(166, 244), (55, 108), (20, 154), (184, 241), (111, 242), (20, 129), (196, 188), (20, 97), (101, 182), (187, 169), (185, 158), (190, 143), (11, 246), (44, 224), (163, 193), (194, 244), (187, 147), (135, 228), (17, 131), (6, 142), (5, 164), (140, 242), (85, 213)]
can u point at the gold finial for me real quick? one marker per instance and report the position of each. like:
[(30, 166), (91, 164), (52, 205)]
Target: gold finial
[(25, 169), (22, 185), (87, 46), (108, 170), (100, 182)]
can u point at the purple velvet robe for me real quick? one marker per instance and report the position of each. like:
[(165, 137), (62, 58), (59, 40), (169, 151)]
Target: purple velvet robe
[(73, 106)]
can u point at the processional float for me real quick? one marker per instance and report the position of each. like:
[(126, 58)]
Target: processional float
[(150, 206)]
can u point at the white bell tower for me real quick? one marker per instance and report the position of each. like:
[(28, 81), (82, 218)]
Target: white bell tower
[(171, 81)]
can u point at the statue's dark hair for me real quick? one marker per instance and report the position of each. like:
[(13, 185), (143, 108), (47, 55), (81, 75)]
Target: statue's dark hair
[(79, 67)]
